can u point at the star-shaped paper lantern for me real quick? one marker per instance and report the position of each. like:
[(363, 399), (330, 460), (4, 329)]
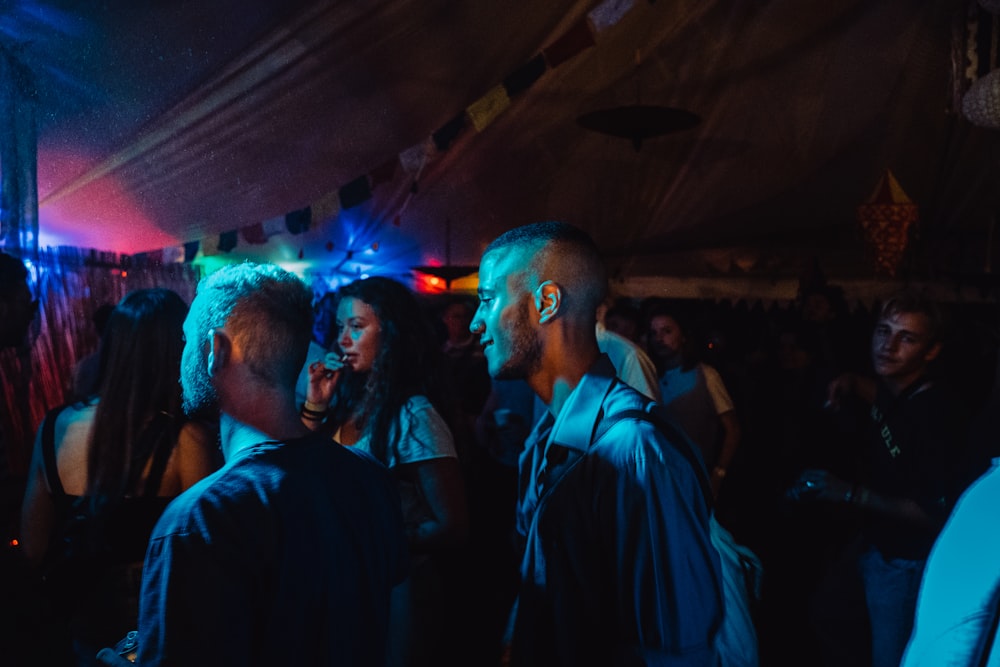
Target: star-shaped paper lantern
[(886, 219)]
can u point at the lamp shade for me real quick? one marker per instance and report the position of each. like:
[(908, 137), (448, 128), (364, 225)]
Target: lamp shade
[(886, 218), (638, 122), (981, 103)]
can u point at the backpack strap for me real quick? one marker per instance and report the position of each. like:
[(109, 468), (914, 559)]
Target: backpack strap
[(49, 453), (675, 438)]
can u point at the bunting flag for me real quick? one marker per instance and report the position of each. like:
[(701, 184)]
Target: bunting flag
[(327, 207), (609, 13), (173, 254), (227, 241), (484, 111), (525, 76), (448, 132), (355, 193), (275, 225), (414, 158), (577, 39), (254, 234), (299, 221), (210, 246), (481, 113), (190, 251), (140, 259), (384, 172)]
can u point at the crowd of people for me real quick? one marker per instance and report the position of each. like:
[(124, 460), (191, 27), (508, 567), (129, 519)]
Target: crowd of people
[(371, 477)]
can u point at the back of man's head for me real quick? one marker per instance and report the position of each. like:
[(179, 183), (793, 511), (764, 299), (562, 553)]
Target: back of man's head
[(267, 310), (562, 253)]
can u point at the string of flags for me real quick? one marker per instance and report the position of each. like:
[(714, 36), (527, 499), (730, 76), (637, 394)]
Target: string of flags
[(480, 114)]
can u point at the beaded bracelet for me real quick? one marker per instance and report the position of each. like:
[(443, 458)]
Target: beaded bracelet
[(313, 415)]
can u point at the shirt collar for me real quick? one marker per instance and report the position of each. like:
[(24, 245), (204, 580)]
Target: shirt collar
[(574, 428)]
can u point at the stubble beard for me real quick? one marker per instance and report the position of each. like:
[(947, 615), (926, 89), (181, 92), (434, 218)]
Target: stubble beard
[(198, 396), (525, 353)]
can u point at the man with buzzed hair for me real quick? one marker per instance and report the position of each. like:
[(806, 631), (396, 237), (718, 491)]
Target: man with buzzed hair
[(287, 554), (618, 567)]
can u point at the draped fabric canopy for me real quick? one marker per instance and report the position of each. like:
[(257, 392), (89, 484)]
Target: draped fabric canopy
[(167, 123)]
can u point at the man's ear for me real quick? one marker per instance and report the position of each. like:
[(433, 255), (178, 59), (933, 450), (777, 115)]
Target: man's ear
[(933, 352), (548, 299), (220, 351)]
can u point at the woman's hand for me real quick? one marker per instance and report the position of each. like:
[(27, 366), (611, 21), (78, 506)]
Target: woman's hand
[(323, 378)]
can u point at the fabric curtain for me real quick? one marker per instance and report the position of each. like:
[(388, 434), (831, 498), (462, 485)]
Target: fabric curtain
[(69, 284)]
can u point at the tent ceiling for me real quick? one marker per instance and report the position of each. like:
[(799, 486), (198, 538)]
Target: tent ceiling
[(167, 122)]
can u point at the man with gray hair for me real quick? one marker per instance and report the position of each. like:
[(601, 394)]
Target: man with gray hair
[(618, 567), (288, 553)]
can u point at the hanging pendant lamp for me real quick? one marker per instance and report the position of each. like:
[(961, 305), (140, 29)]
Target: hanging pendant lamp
[(638, 122)]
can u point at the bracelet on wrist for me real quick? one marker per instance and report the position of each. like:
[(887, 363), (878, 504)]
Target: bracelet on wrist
[(315, 407), (312, 415)]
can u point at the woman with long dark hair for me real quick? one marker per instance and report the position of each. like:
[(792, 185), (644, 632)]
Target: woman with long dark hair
[(103, 470), (382, 392)]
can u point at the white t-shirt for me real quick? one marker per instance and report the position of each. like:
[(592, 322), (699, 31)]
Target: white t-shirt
[(425, 435)]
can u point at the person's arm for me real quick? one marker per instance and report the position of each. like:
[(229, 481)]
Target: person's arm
[(824, 486), (425, 455), (657, 517), (37, 509), (323, 378), (731, 432), (954, 613), (850, 383), (441, 486), (730, 442)]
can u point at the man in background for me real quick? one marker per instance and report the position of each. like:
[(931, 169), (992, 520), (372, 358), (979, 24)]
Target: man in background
[(911, 456)]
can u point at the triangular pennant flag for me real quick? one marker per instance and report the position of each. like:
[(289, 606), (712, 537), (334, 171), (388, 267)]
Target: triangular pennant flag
[(173, 254), (608, 13), (384, 173), (140, 259), (414, 158), (190, 251), (355, 193), (524, 76), (155, 256), (577, 39), (254, 234), (484, 111), (299, 221), (210, 246), (275, 225), (327, 207), (227, 240), (449, 132)]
